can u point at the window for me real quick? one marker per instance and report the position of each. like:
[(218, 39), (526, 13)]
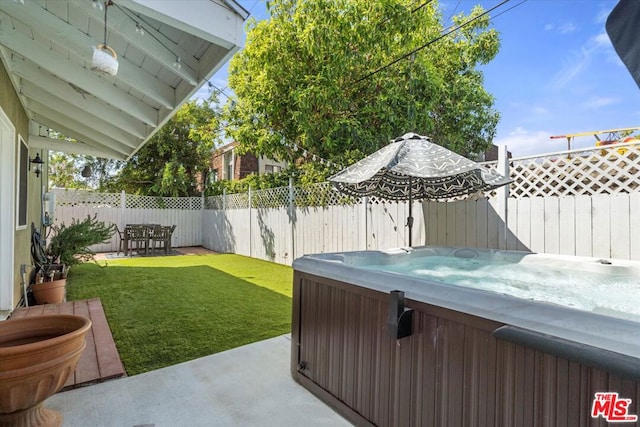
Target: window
[(228, 165), (272, 169), (213, 176), (22, 181)]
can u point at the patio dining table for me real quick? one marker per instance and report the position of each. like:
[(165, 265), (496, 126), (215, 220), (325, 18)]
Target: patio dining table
[(147, 235)]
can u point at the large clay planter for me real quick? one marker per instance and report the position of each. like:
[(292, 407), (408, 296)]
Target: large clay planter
[(52, 292), (37, 355)]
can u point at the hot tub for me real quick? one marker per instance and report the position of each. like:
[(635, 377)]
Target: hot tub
[(473, 342)]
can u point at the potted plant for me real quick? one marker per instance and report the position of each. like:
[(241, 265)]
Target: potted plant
[(69, 245)]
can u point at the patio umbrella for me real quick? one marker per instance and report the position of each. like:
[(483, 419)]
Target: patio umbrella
[(412, 167)]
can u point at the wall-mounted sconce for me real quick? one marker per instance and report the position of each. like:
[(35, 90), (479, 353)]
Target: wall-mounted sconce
[(37, 162)]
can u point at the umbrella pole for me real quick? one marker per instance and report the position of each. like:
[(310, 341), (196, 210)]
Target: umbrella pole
[(410, 218)]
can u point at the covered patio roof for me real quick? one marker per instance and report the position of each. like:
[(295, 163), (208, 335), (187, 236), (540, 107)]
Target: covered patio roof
[(166, 51)]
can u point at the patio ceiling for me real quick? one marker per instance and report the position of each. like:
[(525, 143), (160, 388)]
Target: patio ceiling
[(47, 48)]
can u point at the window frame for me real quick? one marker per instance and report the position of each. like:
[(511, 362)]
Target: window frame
[(22, 185)]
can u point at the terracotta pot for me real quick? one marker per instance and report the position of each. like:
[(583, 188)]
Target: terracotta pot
[(52, 292), (37, 355)]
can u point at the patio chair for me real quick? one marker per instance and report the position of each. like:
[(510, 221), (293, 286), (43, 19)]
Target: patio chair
[(171, 230), (162, 238), (123, 241), (139, 237), (157, 238)]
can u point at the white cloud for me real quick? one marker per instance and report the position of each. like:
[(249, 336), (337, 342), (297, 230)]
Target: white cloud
[(599, 101), (602, 40), (563, 28), (601, 17), (581, 59), (567, 27), (522, 142), (539, 111)]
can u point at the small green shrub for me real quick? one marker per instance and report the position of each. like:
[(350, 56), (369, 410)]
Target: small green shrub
[(70, 244)]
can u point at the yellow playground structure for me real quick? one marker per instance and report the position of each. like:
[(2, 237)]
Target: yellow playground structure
[(605, 137)]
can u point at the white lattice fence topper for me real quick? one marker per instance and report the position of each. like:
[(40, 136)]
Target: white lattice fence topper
[(236, 201), (227, 201), (214, 202), (271, 198), (610, 170), (322, 194), (153, 202), (65, 197)]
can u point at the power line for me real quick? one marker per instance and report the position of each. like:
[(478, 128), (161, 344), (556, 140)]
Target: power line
[(429, 43), (221, 91), (291, 145), (421, 6), (448, 31), (507, 10), (412, 11), (453, 11), (251, 8)]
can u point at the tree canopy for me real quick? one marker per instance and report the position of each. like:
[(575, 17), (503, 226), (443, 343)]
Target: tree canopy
[(67, 170), (314, 75), (175, 162)]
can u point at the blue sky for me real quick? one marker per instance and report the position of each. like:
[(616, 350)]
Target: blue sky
[(556, 72)]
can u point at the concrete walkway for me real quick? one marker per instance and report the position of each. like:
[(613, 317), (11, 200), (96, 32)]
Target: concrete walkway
[(245, 386)]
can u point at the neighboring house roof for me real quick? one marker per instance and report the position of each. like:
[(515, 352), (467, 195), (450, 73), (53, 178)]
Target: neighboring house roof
[(224, 148), (47, 48)]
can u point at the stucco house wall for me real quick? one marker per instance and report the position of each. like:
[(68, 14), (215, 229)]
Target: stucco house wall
[(12, 108)]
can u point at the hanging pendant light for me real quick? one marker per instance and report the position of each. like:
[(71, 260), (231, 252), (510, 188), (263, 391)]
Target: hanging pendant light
[(86, 171), (105, 59)]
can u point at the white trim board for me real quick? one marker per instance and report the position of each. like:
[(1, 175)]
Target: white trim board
[(7, 216)]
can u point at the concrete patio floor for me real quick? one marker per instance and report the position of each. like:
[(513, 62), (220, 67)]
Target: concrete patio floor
[(245, 386)]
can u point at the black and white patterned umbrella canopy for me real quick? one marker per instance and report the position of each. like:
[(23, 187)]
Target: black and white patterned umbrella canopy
[(435, 173)]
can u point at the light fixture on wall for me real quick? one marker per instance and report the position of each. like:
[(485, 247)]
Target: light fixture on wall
[(37, 161), (105, 59)]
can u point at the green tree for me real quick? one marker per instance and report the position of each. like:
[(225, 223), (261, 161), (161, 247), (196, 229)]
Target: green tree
[(176, 160), (62, 169), (307, 76), (65, 171), (101, 171)]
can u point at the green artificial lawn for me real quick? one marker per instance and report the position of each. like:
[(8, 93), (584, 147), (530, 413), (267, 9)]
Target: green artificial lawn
[(167, 310)]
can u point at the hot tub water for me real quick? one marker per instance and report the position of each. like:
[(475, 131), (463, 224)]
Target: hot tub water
[(611, 294)]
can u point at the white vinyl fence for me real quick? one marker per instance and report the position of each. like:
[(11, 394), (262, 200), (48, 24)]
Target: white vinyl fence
[(583, 202), (120, 209), (603, 225)]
